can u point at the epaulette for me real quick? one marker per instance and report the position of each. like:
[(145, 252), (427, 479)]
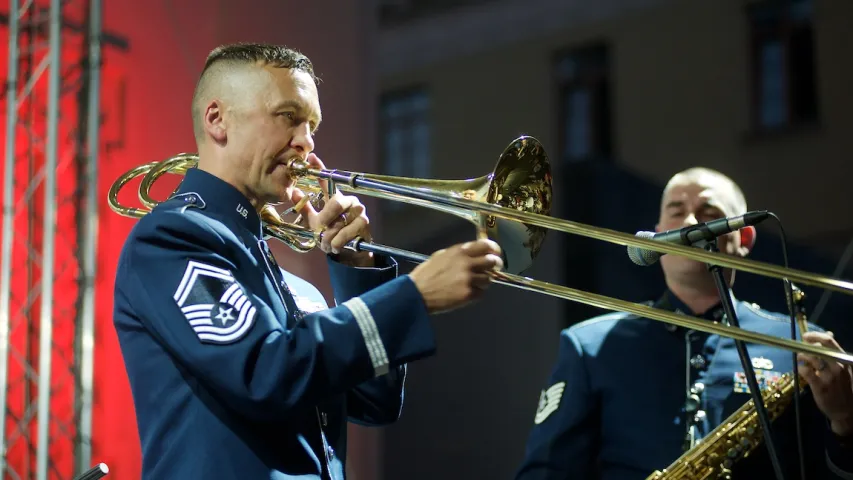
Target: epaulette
[(189, 199)]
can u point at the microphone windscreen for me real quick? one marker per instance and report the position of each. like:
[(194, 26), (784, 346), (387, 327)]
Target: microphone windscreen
[(641, 256)]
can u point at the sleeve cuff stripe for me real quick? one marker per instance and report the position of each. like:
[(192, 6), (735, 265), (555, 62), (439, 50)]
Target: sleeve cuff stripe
[(373, 341), (381, 359), (367, 334), (370, 332)]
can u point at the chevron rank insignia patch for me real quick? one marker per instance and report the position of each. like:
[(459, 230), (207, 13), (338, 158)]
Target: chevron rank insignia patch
[(549, 401), (214, 304)]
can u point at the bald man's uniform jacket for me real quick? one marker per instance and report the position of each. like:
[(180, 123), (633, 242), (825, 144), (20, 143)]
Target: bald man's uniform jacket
[(238, 369), (614, 407)]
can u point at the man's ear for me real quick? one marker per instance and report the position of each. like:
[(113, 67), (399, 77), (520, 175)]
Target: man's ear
[(747, 240), (657, 227), (214, 122)]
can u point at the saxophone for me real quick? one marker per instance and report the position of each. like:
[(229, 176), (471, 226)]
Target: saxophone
[(740, 434)]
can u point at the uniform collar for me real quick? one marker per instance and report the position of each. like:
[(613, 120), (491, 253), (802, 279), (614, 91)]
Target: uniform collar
[(220, 197), (672, 303)]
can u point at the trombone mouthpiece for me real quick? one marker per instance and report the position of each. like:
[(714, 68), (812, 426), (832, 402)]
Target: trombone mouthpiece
[(297, 166)]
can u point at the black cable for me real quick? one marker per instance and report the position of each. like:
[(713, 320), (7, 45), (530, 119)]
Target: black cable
[(789, 294), (840, 267)]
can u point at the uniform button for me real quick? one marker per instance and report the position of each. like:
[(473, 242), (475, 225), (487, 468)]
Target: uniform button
[(692, 403), (191, 199), (697, 361)]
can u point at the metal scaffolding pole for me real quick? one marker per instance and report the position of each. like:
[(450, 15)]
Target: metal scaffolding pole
[(48, 245), (90, 238), (8, 219), (49, 238)]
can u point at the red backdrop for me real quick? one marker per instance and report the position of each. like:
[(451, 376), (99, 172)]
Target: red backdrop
[(145, 113)]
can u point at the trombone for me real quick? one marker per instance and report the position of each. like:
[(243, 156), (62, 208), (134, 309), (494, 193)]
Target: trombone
[(510, 205)]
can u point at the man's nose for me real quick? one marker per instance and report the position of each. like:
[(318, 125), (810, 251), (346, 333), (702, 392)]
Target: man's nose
[(690, 220), (302, 139)]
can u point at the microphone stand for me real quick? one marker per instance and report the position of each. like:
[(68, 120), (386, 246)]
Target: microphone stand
[(758, 400), (98, 471)]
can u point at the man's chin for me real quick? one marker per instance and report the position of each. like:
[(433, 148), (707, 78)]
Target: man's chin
[(683, 264)]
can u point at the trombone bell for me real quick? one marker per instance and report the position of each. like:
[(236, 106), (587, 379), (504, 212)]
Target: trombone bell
[(520, 181)]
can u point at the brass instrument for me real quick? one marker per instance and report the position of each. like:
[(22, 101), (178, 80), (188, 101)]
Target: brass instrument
[(511, 205), (740, 434)]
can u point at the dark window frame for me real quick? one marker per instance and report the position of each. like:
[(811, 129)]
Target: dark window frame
[(405, 123), (593, 74), (773, 20)]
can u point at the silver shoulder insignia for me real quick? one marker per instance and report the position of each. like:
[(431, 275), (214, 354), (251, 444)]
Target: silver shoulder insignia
[(190, 199), (549, 401)]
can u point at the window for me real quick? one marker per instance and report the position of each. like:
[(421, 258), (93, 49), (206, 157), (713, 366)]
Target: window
[(784, 83), (405, 134), (583, 90)]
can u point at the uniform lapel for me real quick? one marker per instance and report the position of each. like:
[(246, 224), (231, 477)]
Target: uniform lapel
[(280, 285)]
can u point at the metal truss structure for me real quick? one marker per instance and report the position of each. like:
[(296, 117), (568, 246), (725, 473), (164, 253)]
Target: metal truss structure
[(48, 250)]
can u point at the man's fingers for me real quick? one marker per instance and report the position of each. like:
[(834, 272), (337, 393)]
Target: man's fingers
[(314, 162), (809, 374), (336, 206), (349, 232), (487, 262), (821, 338), (819, 370), (481, 280), (481, 247), (811, 362)]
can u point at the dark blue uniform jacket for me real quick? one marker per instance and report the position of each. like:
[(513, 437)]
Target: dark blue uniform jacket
[(614, 406), (238, 369)]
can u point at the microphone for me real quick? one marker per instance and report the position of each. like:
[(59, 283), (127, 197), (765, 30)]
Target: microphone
[(695, 233)]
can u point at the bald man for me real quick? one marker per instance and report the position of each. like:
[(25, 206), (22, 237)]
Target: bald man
[(628, 395), (238, 368)]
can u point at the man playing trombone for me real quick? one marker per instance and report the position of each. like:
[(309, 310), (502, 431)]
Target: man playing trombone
[(628, 396), (238, 368)]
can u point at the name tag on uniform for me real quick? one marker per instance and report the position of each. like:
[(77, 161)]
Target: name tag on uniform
[(764, 378), (308, 305)]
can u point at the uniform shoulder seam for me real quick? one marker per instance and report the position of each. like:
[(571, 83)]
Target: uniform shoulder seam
[(779, 317), (607, 317)]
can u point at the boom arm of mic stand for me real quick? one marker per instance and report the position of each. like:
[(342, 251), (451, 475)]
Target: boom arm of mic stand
[(98, 471), (755, 392)]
